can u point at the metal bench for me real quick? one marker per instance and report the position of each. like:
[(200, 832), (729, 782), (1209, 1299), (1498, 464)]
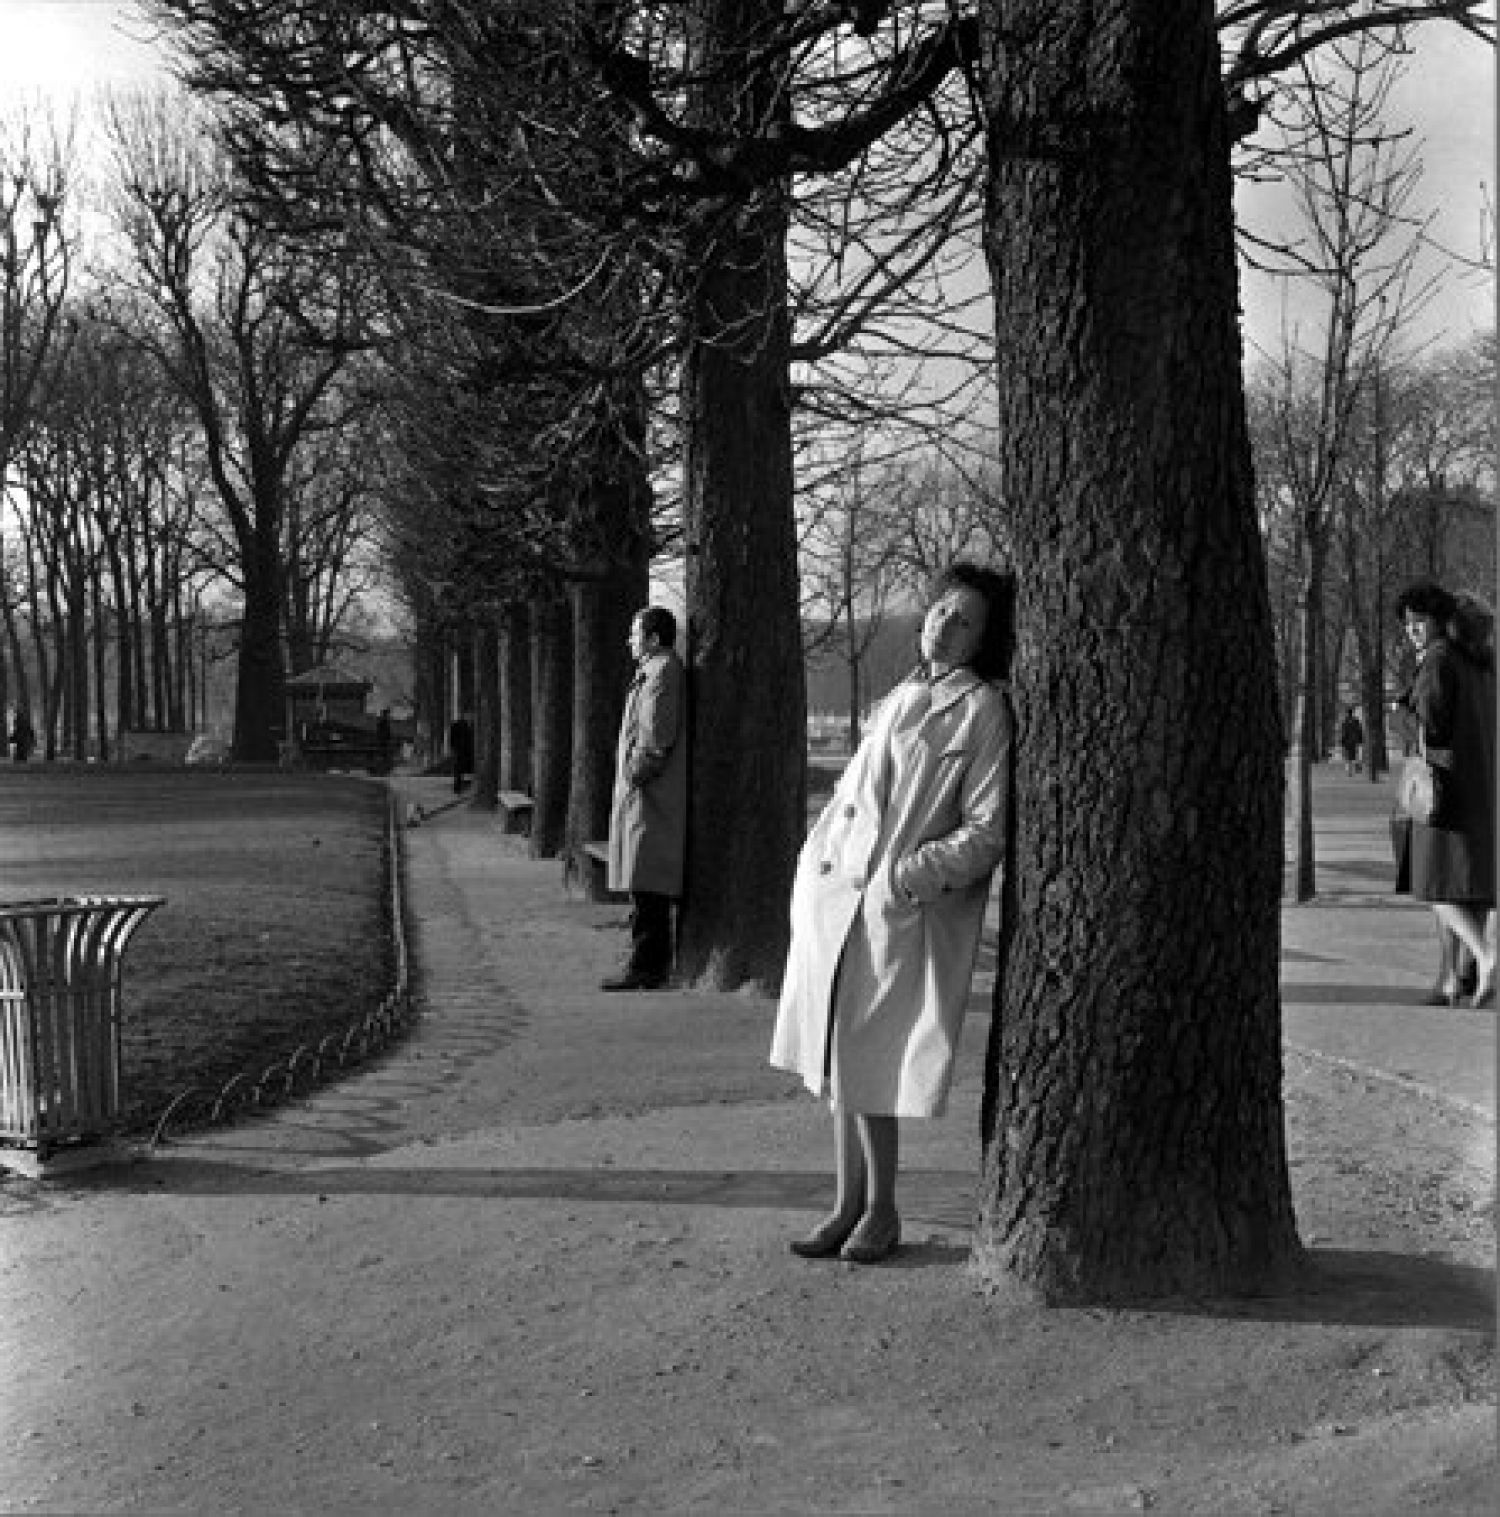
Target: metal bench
[(515, 812), (586, 874), (60, 973)]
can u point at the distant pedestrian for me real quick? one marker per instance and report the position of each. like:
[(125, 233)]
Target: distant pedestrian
[(22, 736), (383, 740), (1351, 740), (889, 902), (1452, 856), (648, 812), (461, 747)]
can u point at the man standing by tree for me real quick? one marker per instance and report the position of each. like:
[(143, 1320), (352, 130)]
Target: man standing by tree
[(648, 815)]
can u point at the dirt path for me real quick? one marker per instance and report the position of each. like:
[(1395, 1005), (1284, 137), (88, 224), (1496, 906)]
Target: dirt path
[(535, 1262)]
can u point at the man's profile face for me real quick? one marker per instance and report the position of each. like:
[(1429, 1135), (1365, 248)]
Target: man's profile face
[(641, 643)]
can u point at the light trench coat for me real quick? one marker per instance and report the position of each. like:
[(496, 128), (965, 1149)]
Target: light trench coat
[(648, 810), (889, 901)]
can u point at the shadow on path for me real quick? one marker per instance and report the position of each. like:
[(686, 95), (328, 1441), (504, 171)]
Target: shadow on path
[(1302, 994), (1372, 1288), (1342, 1287)]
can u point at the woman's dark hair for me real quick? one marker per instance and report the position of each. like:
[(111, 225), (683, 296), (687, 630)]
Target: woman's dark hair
[(1472, 627), (1425, 597), (658, 622), (991, 660)]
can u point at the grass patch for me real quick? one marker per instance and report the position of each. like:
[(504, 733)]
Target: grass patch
[(275, 931)]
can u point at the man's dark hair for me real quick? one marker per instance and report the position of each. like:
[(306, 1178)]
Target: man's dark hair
[(658, 622), (998, 587)]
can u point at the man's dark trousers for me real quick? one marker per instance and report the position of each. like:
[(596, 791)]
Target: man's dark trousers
[(650, 935)]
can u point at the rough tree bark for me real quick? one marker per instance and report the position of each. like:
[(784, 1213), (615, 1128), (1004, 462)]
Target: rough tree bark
[(515, 698), (487, 712), (602, 610), (1133, 1118), (747, 808), (552, 723), (260, 683)]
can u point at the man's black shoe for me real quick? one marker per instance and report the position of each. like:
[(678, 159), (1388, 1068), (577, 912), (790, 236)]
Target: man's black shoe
[(630, 980)]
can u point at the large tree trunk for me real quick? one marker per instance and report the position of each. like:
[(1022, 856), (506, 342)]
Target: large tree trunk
[(76, 711), (602, 611), (747, 806), (260, 691), (429, 684), (552, 724), (515, 699), (1133, 1117), (486, 795)]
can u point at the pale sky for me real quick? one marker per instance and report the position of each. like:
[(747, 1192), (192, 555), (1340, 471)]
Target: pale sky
[(61, 49), (64, 47)]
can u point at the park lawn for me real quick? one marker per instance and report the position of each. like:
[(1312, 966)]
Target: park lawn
[(276, 927)]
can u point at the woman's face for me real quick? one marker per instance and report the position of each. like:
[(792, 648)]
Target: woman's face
[(953, 628), (1422, 630)]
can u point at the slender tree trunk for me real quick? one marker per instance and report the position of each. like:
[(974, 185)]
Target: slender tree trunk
[(1132, 1118), (1330, 710), (120, 619), (146, 713), (78, 667), (180, 684), (1309, 723), (44, 714), (855, 704), (23, 701), (100, 642)]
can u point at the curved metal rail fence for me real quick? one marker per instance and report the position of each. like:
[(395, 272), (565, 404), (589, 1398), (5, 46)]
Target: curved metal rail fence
[(310, 1064)]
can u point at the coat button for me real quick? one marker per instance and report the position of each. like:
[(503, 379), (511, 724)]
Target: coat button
[(825, 867), (850, 811)]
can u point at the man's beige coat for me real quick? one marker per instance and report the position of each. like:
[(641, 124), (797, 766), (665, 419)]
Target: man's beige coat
[(648, 815)]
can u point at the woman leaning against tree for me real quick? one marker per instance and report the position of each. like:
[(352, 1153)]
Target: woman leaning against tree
[(889, 900)]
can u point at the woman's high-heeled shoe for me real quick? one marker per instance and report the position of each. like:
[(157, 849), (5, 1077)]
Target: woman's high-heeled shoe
[(869, 1246), (1484, 989), (823, 1242)]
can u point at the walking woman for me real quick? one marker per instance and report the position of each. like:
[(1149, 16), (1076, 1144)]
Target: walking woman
[(1452, 700), (889, 901)]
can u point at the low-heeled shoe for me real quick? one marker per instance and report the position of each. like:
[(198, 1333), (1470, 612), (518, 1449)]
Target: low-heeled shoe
[(871, 1248), (632, 981), (825, 1243)]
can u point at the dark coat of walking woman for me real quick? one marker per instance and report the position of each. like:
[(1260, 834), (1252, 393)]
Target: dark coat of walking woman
[(1452, 701), (889, 901)]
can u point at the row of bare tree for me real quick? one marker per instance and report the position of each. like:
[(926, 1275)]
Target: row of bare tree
[(187, 470), (578, 234), (1412, 494)]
